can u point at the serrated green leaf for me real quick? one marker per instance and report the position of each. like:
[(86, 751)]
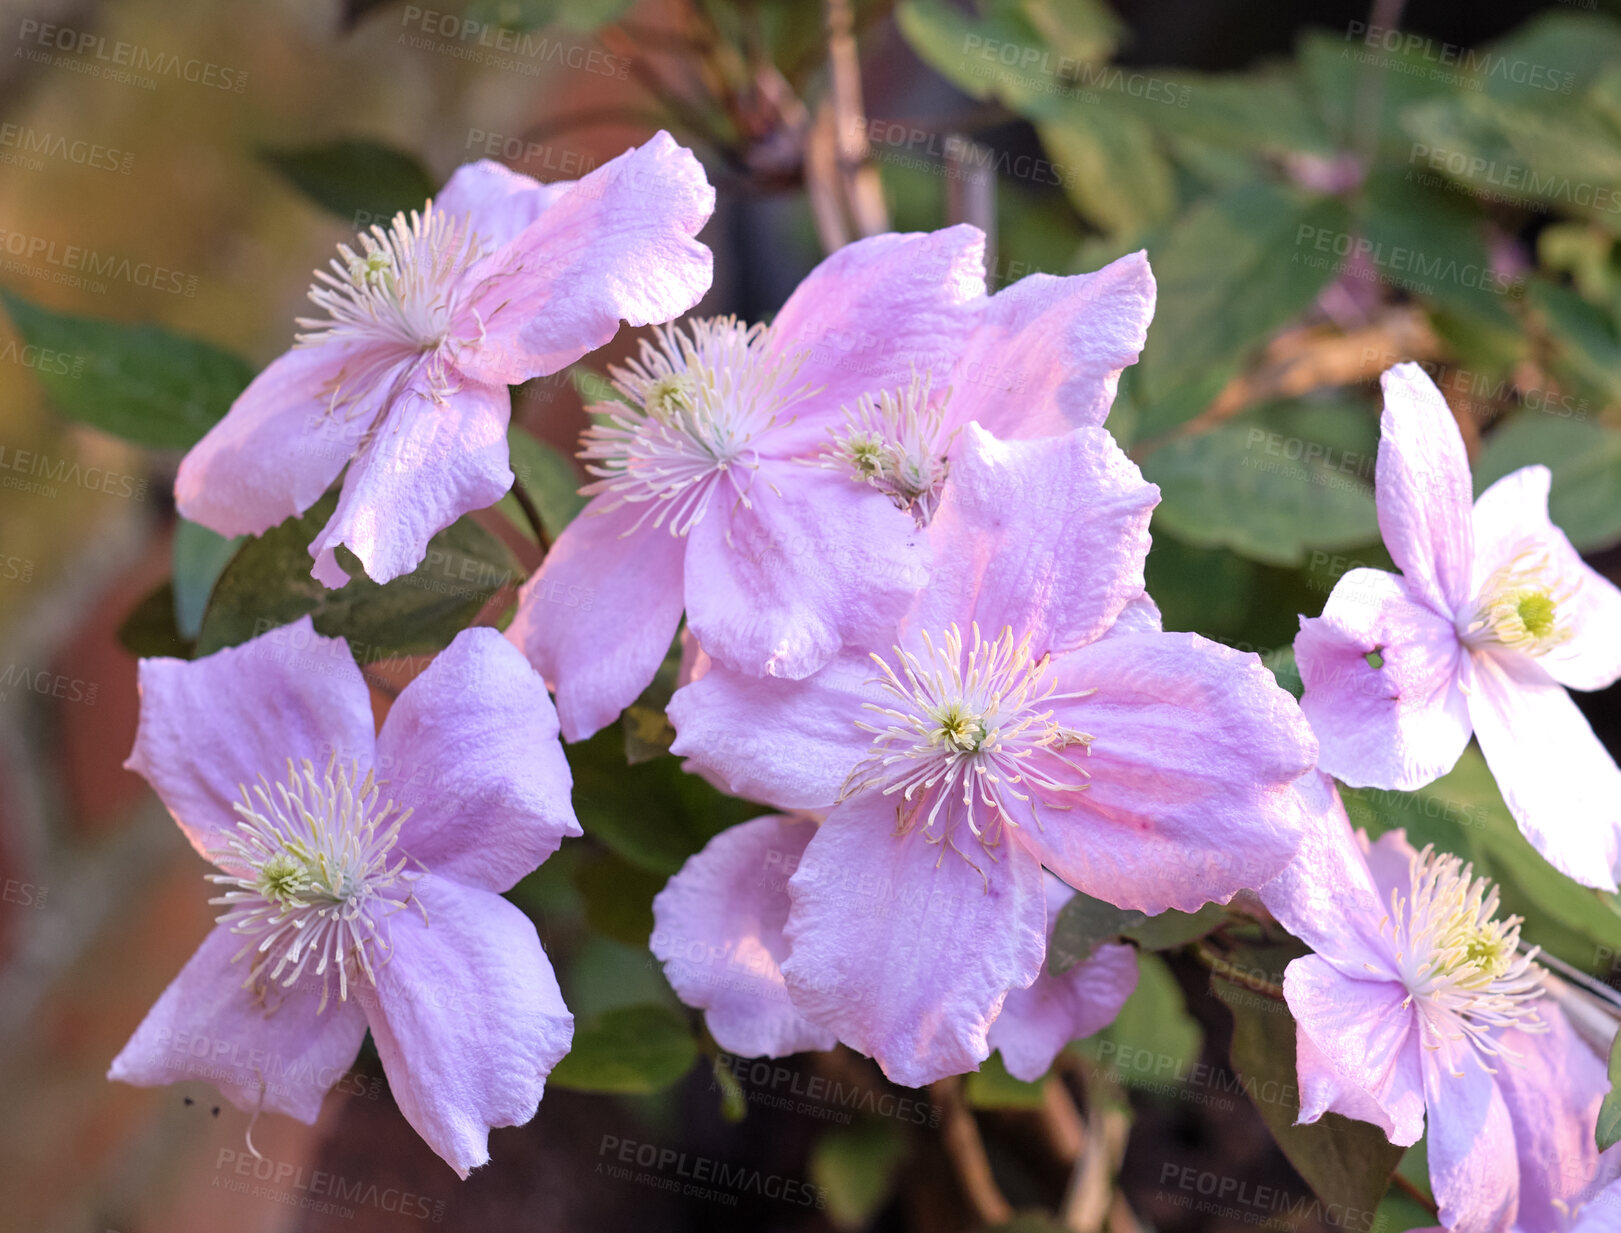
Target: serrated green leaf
[(1344, 1161), (1171, 929), (364, 182), (633, 1050), (139, 382), (268, 583), (855, 1169), (1108, 164)]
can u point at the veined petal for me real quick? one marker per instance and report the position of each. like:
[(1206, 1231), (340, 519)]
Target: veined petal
[(1046, 354), (1402, 724), (210, 726), (1558, 780), (718, 930), (429, 462), (497, 201), (207, 1026), (904, 948), (470, 746), (1423, 490), (467, 1018), (1473, 1171), (598, 617)]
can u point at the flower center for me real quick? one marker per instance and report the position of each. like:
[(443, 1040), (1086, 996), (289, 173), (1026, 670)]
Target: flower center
[(312, 874), (1522, 606), (972, 729), (699, 401), (1460, 964), (401, 288), (893, 443)]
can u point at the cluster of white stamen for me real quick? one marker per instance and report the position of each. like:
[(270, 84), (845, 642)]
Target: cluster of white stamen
[(701, 399), (973, 728), (893, 443), (1523, 605), (1462, 967), (401, 289), (313, 875)]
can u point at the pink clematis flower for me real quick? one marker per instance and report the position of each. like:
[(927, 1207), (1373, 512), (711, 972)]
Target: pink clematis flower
[(360, 877), (1417, 1008), (718, 929), (1493, 615), (771, 480), (998, 732), (404, 377)]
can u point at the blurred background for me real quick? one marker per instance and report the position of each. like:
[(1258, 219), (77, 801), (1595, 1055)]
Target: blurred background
[(1323, 191)]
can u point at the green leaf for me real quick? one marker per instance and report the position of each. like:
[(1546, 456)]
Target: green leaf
[(1264, 490), (1585, 342), (1265, 114), (1210, 591), (551, 482), (149, 631), (199, 557), (1083, 925), (139, 382), (1108, 164), (1585, 458), (1231, 272), (618, 898), (855, 1169), (634, 1050), (652, 814), (364, 182), (1344, 1161), (1153, 1040), (1608, 1131), (991, 1087), (268, 584), (1172, 929), (602, 975)]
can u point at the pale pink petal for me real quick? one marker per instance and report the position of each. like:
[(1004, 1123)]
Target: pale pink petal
[(1048, 537), (467, 1018), (1402, 724), (497, 201), (1140, 616), (1553, 1091), (1046, 354), (207, 1026), (1037, 1022), (617, 246), (1473, 1171), (427, 464), (1326, 895), (1601, 1213), (213, 724), (779, 588), (470, 746), (904, 948), (1390, 862), (1192, 762), (717, 928), (872, 314), (791, 744), (286, 437), (1558, 780), (1358, 1051), (1423, 490), (598, 618), (1511, 518)]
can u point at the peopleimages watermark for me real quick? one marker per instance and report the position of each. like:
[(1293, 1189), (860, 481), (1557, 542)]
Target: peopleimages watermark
[(46, 360), (699, 1177), (77, 266), (1236, 1199), (1408, 268), (1450, 62), (531, 156), (774, 1085), (1520, 185), (23, 894), (43, 473), (317, 1190), (84, 51), (47, 684), (495, 46), (15, 569), (22, 145), (1037, 69), (956, 156)]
